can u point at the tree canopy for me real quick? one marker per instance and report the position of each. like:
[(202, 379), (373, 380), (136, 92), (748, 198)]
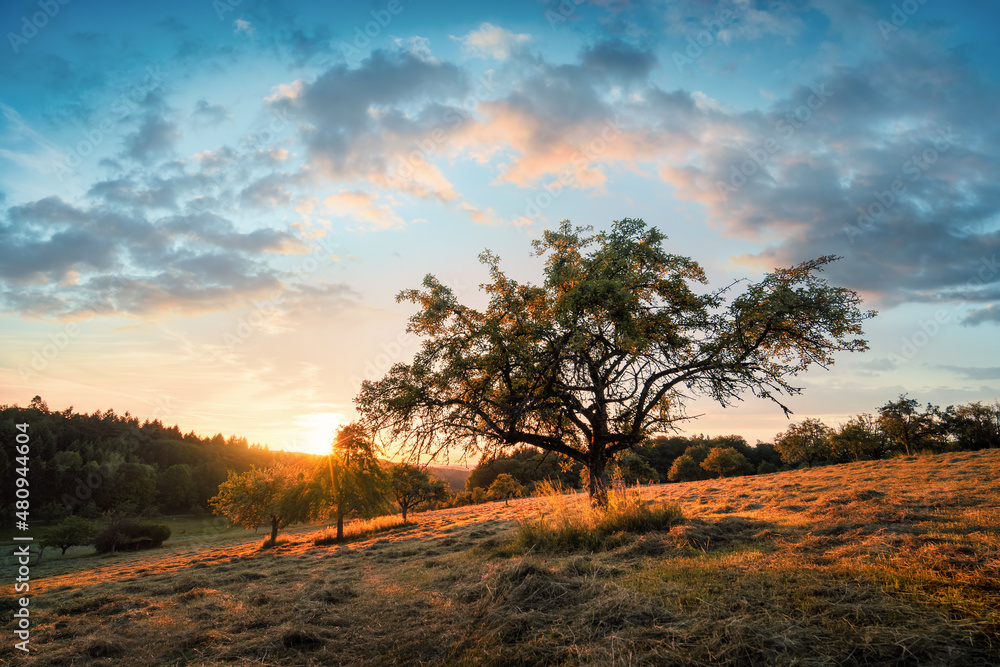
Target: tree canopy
[(278, 496), (412, 487), (605, 353), (806, 441), (356, 479)]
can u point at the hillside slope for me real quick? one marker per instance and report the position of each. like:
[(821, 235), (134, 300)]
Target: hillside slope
[(892, 562)]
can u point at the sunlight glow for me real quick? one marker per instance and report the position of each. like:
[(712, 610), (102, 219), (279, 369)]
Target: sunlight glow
[(316, 431)]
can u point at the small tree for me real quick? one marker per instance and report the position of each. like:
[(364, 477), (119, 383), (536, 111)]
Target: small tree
[(859, 439), (725, 461), (807, 441), (412, 487), (73, 531), (504, 487), (684, 469), (907, 427), (356, 480), (279, 496)]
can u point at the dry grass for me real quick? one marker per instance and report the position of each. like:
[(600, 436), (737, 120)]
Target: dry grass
[(894, 562), (362, 528), (569, 523)]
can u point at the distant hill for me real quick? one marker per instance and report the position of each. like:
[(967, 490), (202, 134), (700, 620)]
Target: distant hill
[(454, 476)]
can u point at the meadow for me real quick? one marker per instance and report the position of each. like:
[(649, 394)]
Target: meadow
[(871, 563)]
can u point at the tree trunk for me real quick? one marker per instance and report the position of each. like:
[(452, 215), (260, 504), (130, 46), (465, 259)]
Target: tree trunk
[(598, 486), (404, 508), (274, 530), (340, 525)]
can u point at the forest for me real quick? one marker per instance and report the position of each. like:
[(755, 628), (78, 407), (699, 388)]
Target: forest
[(87, 464)]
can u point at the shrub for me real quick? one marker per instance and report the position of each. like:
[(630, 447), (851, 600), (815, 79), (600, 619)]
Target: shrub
[(766, 468), (567, 528), (129, 534)]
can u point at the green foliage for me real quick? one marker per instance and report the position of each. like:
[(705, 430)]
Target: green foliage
[(806, 442), (356, 484), (88, 464), (973, 426), (176, 489), (909, 429), (504, 487), (534, 366), (528, 465), (279, 496), (632, 468), (567, 526), (126, 534), (687, 466), (726, 461), (766, 468), (73, 531), (859, 439), (412, 487)]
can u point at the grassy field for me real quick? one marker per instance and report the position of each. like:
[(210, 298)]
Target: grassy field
[(891, 562)]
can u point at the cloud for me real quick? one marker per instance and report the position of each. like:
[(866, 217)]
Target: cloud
[(155, 137), (882, 162), (481, 217), (363, 207), (367, 123), (490, 41), (988, 315), (58, 259), (126, 192), (975, 372), (209, 115), (242, 26)]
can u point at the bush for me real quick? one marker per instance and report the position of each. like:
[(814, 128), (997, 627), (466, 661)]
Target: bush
[(129, 534), (565, 528), (766, 468)]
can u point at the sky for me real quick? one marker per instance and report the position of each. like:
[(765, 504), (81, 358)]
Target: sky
[(208, 208)]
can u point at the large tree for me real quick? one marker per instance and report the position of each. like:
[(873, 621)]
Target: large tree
[(908, 428), (605, 352)]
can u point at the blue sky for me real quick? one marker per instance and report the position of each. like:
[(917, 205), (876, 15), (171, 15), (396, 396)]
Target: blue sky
[(207, 208)]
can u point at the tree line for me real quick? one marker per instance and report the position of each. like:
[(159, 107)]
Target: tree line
[(899, 427), (89, 464)]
